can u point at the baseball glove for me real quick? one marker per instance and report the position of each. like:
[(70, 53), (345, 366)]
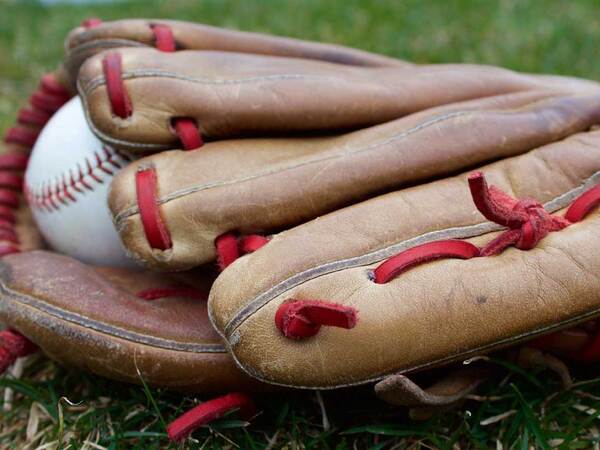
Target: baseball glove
[(179, 210), (423, 276), (115, 322)]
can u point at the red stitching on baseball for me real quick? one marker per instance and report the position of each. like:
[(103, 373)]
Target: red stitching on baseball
[(117, 93), (208, 411), (52, 194), (298, 319), (188, 133), (156, 232), (163, 38), (158, 293)]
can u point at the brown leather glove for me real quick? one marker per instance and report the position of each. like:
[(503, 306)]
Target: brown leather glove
[(94, 36), (127, 325), (424, 276), (219, 95), (176, 210)]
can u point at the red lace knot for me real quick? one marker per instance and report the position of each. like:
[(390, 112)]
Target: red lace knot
[(13, 345), (230, 247), (206, 412), (527, 220), (298, 319)]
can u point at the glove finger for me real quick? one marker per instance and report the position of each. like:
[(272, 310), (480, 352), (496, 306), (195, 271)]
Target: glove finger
[(225, 95), (95, 36), (94, 318), (433, 314), (262, 186)]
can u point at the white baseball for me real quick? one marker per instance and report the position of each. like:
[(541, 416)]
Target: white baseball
[(67, 181)]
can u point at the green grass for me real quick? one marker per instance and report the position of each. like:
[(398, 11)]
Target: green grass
[(64, 408)]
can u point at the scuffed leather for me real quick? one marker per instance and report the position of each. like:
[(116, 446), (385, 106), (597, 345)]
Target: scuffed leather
[(265, 185), (431, 315), (239, 94), (84, 42), (91, 318)]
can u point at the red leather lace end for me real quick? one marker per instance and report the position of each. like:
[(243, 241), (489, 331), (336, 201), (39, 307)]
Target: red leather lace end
[(423, 253), (299, 319), (157, 293), (188, 133), (583, 205), (92, 22), (164, 39), (227, 250), (117, 94), (13, 345), (208, 411), (7, 215), (251, 243), (154, 228)]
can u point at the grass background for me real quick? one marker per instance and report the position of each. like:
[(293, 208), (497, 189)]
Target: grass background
[(62, 408)]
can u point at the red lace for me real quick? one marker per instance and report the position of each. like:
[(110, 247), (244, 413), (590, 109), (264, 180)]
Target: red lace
[(156, 232), (229, 247), (49, 97), (185, 128), (13, 345), (298, 319), (527, 222), (208, 411), (158, 293)]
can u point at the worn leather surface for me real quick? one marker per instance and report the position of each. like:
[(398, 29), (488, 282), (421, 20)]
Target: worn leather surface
[(265, 185), (91, 318), (84, 42), (239, 94), (433, 314)]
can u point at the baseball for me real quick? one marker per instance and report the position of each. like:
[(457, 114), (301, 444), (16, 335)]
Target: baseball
[(66, 185)]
